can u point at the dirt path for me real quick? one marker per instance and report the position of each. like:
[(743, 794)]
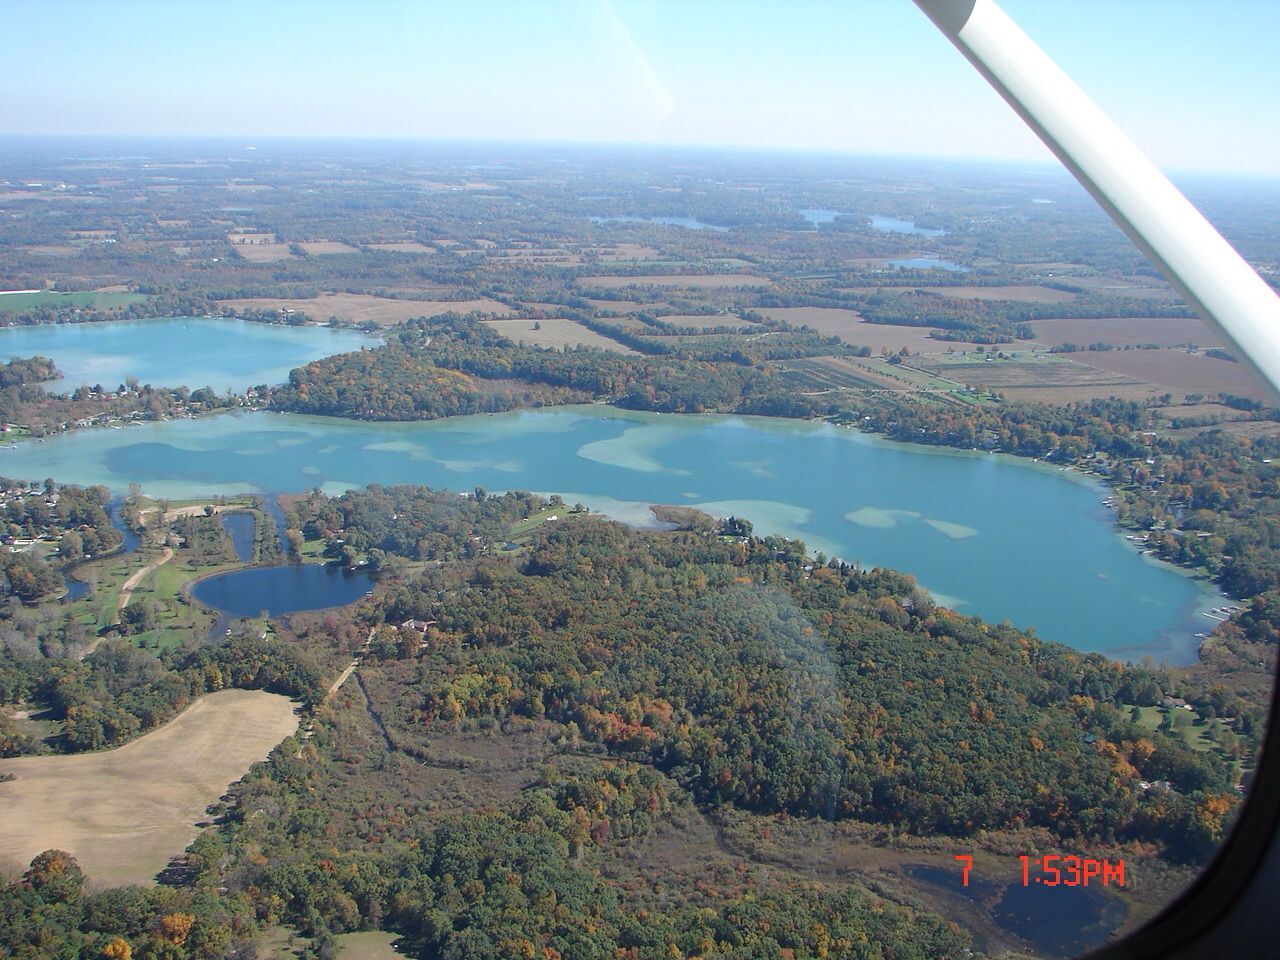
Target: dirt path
[(194, 510), (127, 588), (345, 675)]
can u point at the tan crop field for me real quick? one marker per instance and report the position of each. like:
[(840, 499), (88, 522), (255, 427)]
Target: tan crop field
[(1180, 372), (321, 248), (1023, 370), (123, 814), (251, 238), (707, 321), (849, 326), (1087, 391), (709, 281), (264, 252), (1125, 331), (555, 334), (626, 251), (1020, 293), (625, 306), (363, 307), (400, 246)]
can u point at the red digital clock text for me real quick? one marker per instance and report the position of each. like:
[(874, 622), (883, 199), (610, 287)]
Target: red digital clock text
[(1053, 870)]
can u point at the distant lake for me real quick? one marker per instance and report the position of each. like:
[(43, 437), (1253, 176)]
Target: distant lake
[(928, 263), (176, 351), (987, 534), (285, 589), (687, 222), (894, 225), (817, 216)]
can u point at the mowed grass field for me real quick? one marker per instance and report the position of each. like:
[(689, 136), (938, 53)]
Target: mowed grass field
[(264, 252), (555, 334), (708, 281), (95, 299), (123, 814), (363, 307), (1125, 331), (704, 321), (320, 248)]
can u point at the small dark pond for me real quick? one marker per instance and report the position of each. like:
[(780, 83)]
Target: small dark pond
[(1057, 921), (284, 589), (76, 589)]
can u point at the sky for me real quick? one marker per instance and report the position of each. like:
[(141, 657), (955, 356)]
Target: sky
[(1195, 84)]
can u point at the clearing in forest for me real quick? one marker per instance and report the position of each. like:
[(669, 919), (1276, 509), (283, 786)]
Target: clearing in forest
[(124, 813)]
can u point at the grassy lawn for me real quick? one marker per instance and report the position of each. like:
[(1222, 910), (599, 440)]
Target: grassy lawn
[(1197, 737), (313, 551), (522, 528), (178, 618), (280, 943), (97, 299)]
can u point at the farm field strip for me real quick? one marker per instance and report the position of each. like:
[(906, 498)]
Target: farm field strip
[(124, 813), (555, 333), (363, 307)]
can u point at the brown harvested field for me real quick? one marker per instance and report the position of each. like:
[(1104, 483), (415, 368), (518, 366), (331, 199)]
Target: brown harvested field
[(1093, 391), (320, 248), (1020, 293), (554, 334), (1125, 331), (626, 306), (1239, 428), (362, 307), (1024, 372), (849, 326), (264, 252), (123, 814), (400, 246), (710, 281), (705, 321), (1179, 372)]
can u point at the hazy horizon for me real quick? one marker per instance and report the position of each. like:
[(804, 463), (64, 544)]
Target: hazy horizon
[(1189, 83)]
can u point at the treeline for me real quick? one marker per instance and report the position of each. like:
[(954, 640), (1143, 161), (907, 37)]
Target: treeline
[(451, 365), (21, 371), (120, 691), (489, 885), (75, 517), (160, 302), (832, 692)]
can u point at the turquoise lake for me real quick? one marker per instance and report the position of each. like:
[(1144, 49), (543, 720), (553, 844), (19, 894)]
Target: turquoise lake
[(986, 534), (170, 352)]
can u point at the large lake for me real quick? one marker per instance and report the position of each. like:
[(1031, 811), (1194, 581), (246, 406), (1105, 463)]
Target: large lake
[(170, 352), (987, 534)]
